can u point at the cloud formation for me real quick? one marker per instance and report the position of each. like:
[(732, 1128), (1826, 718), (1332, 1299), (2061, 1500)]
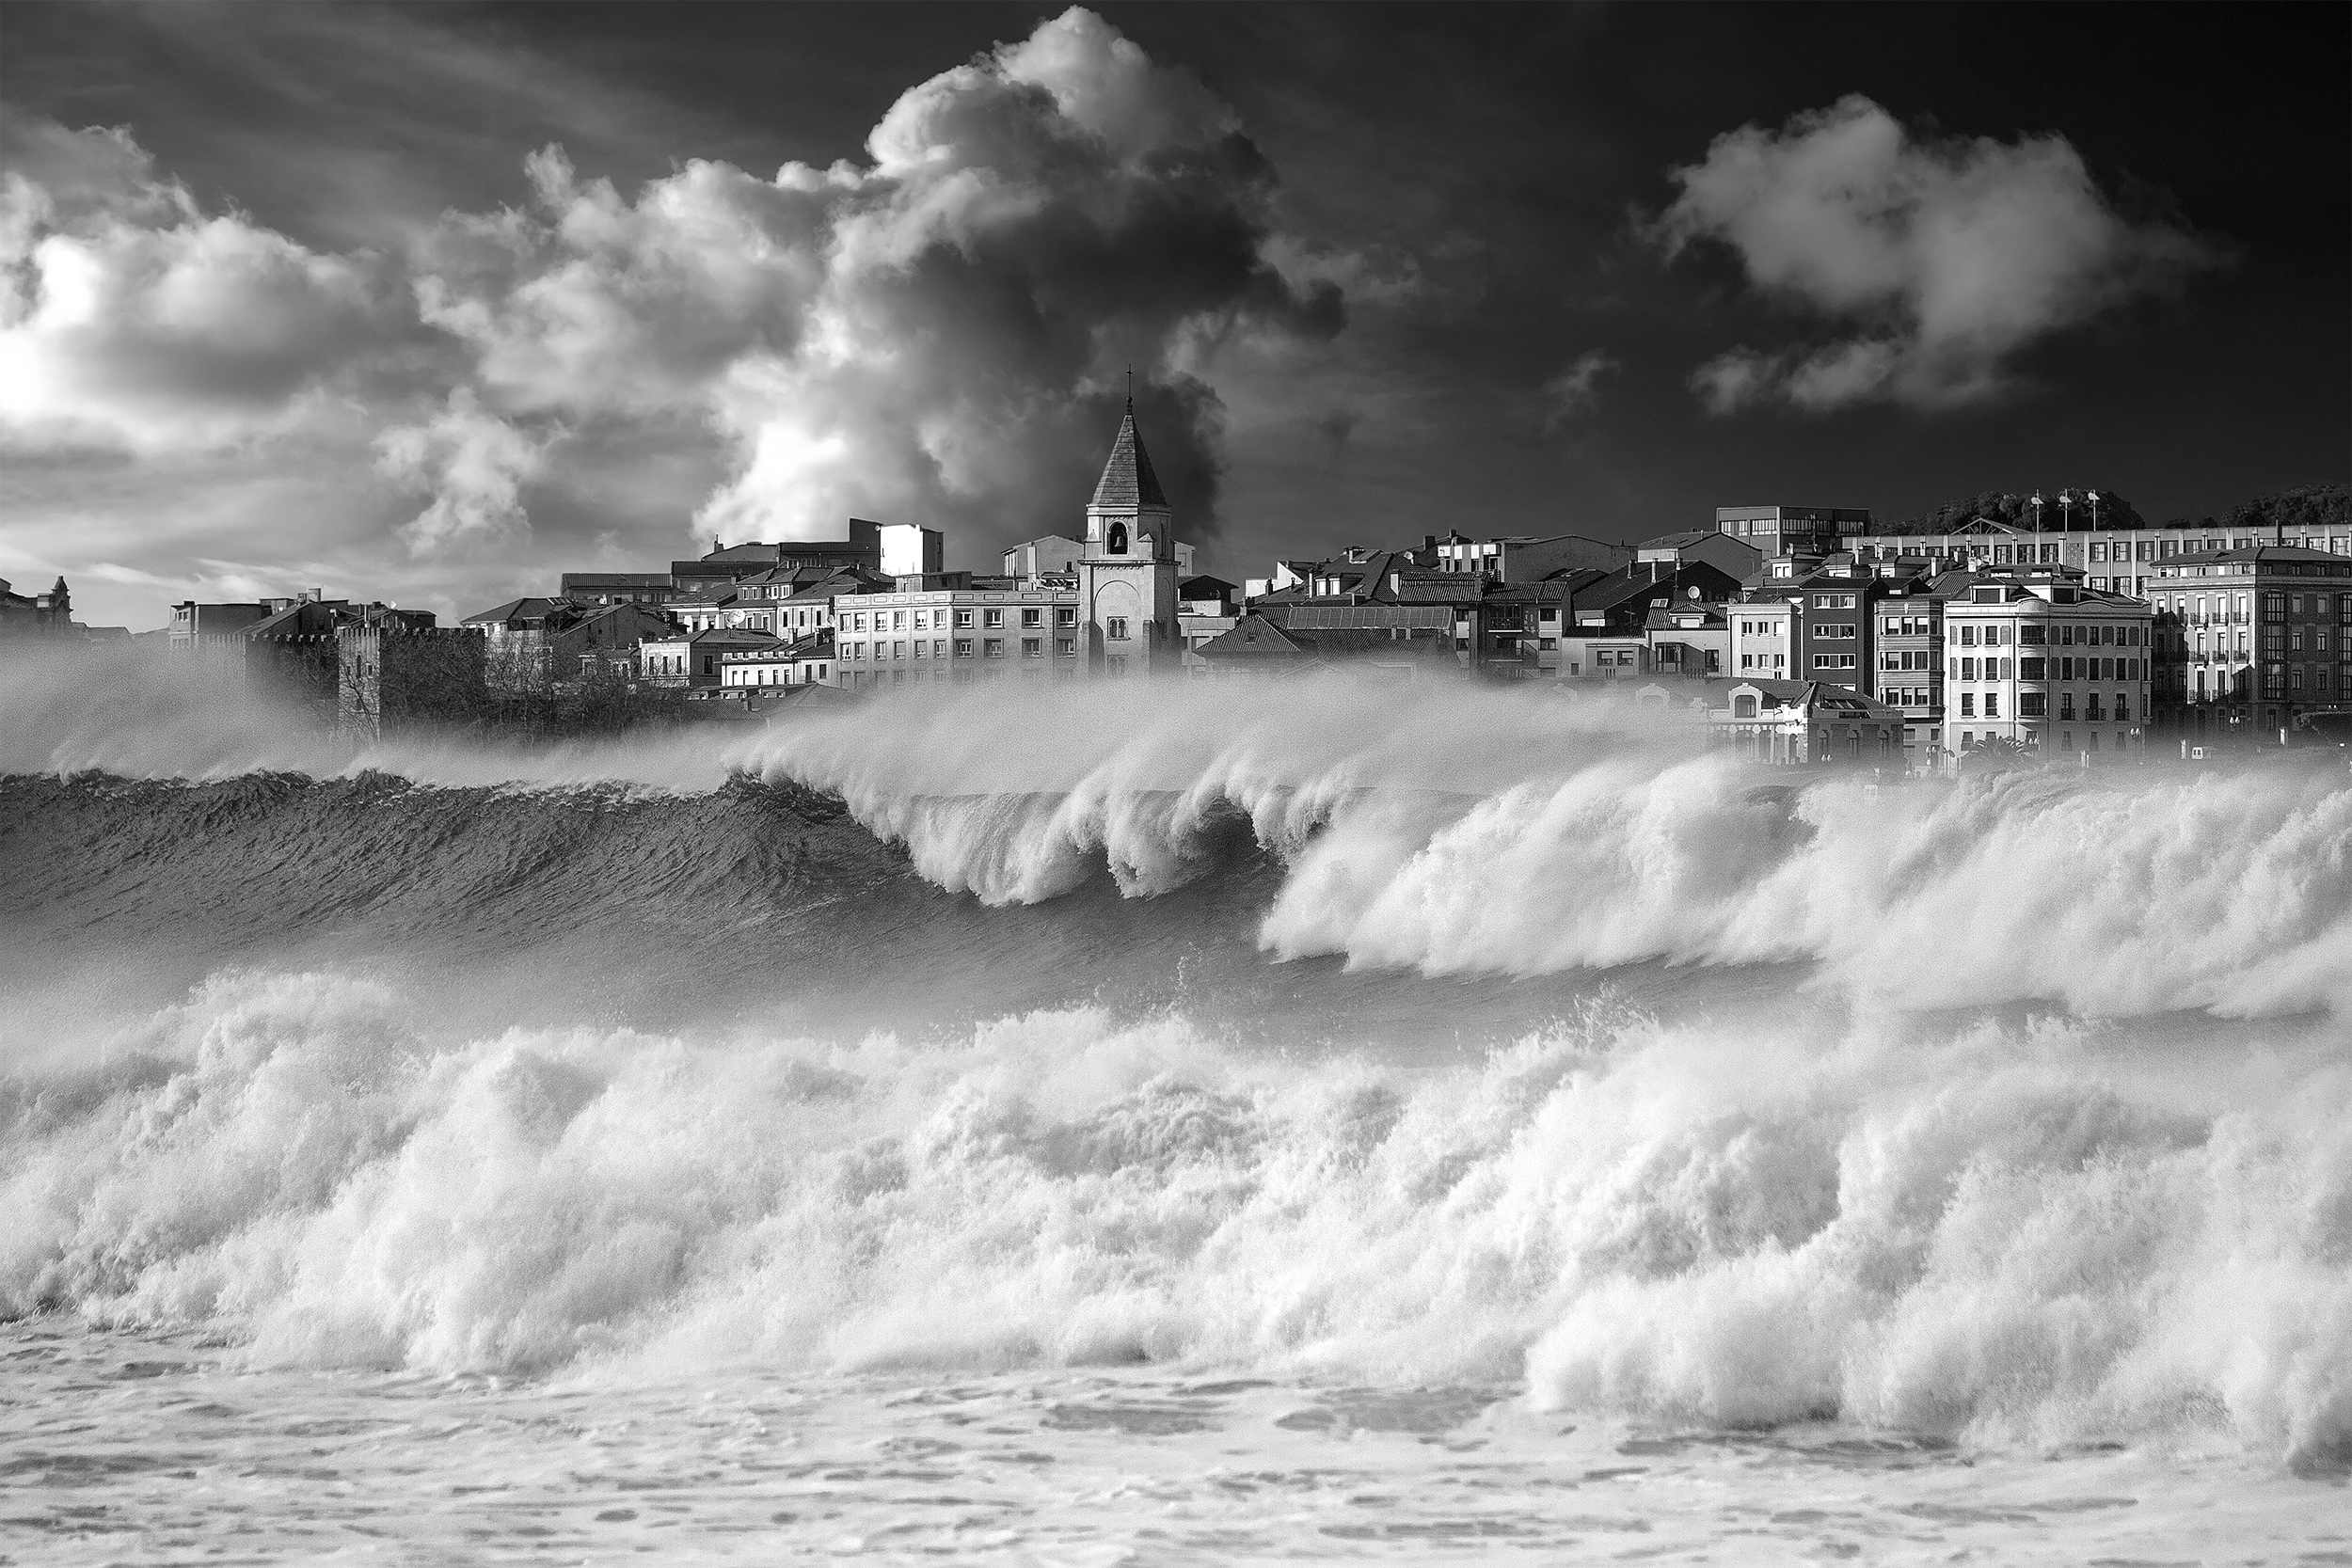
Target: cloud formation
[(1575, 391), (473, 464), (1945, 260), (131, 319), (938, 331), (937, 334)]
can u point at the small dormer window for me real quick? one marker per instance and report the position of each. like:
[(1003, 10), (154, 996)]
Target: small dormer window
[(1118, 539)]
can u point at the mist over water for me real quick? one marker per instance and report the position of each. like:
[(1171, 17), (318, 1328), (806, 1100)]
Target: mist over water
[(1387, 1038)]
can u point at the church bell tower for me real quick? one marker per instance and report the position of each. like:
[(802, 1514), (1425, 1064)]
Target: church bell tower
[(1127, 572)]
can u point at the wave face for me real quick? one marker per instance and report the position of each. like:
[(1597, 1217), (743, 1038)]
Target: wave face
[(1411, 1035)]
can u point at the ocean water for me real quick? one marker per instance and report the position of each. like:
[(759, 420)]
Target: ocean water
[(1326, 1121)]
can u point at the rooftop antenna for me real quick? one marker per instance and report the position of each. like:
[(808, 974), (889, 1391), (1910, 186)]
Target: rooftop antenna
[(1130, 389)]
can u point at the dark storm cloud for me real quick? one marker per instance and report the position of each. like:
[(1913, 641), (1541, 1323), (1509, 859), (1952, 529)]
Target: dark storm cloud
[(938, 333)]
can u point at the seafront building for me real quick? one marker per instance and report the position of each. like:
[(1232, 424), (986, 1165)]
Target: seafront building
[(2251, 642), (954, 627), (2112, 559), (691, 659), (1845, 637), (1795, 723), (2044, 665)]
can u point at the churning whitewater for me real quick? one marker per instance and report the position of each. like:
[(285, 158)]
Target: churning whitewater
[(1436, 1066)]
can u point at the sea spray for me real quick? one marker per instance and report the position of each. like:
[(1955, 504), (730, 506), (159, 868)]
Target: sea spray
[(2012, 1232)]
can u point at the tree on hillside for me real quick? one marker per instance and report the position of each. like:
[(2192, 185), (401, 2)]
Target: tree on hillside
[(2306, 509), (2016, 509)]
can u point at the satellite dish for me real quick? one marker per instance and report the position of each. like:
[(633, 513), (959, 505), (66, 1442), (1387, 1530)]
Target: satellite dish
[(1693, 591)]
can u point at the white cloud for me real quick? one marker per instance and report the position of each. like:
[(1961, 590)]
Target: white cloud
[(128, 318), (1576, 389), (1732, 380), (937, 335), (475, 463), (1945, 260)]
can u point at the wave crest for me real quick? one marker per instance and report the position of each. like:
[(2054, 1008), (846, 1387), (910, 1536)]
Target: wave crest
[(2007, 1234)]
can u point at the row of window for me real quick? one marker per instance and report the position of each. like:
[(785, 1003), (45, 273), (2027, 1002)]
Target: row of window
[(862, 680), (2199, 610), (990, 647), (1968, 741), (775, 674), (2036, 705), (2066, 634), (2279, 683), (2050, 669), (1032, 618)]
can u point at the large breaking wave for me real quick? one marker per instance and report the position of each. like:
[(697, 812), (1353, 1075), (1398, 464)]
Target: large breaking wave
[(2003, 1233), (496, 1059), (1445, 829)]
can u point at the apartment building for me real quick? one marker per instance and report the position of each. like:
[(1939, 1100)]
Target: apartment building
[(1606, 633), (692, 660), (1907, 652), (1772, 531), (955, 628), (1689, 638), (2114, 560), (807, 661), (2251, 642), (2038, 660), (1809, 618), (1799, 723), (1763, 633)]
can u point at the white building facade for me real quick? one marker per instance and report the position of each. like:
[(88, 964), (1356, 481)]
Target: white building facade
[(1761, 635), (2048, 666), (991, 629)]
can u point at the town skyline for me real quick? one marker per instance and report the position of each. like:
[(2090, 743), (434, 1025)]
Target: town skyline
[(395, 352)]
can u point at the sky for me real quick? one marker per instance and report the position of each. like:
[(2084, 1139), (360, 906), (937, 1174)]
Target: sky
[(433, 303)]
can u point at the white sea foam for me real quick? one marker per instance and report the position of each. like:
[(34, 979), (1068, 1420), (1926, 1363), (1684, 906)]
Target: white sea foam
[(2027, 1234), (1459, 830)]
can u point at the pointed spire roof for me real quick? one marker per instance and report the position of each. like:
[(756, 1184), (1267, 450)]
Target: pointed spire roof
[(1127, 480)]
